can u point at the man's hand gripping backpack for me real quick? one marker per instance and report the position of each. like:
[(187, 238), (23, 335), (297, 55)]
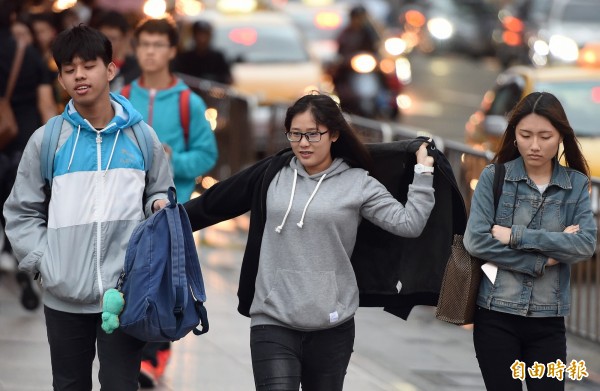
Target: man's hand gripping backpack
[(161, 281)]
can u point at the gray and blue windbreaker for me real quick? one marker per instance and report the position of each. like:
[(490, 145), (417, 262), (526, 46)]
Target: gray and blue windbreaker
[(100, 192)]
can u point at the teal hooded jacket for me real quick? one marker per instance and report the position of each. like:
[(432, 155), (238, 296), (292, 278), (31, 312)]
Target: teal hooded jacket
[(160, 109)]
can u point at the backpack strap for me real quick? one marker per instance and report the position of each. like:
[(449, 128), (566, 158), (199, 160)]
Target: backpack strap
[(498, 182), (48, 149), (126, 91), (179, 281), (184, 113), (192, 266), (184, 109), (146, 143), (142, 135)]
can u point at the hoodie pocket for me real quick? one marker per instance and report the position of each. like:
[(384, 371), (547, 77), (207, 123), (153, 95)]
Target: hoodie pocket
[(31, 262), (71, 282), (306, 300)]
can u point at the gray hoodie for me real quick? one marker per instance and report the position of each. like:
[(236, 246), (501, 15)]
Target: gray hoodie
[(305, 279)]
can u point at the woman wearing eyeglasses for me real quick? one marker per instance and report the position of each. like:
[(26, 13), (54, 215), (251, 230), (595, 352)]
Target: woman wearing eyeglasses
[(297, 283)]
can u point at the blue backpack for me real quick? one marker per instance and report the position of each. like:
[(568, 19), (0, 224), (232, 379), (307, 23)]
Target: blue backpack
[(161, 281), (52, 134)]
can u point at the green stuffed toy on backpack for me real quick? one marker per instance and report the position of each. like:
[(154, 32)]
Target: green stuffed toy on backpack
[(112, 305)]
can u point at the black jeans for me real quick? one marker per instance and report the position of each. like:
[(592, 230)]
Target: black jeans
[(501, 338), (283, 358), (73, 338)]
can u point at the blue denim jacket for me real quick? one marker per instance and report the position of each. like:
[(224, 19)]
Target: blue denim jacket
[(524, 285)]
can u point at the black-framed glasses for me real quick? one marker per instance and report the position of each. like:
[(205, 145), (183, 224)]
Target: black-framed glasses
[(312, 137)]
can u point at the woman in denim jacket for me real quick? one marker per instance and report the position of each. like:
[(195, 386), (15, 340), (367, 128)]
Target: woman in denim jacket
[(543, 224)]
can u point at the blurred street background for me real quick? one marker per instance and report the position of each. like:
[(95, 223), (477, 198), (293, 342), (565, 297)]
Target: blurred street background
[(450, 69)]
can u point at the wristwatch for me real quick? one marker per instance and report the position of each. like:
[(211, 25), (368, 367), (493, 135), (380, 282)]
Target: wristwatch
[(421, 168)]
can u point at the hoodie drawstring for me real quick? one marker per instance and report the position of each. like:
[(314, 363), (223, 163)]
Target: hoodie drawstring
[(112, 151), (74, 146), (301, 222), (278, 229)]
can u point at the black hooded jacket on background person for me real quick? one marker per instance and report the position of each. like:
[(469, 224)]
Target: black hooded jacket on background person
[(381, 260)]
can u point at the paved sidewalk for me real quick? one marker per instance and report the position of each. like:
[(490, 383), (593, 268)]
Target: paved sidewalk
[(421, 354)]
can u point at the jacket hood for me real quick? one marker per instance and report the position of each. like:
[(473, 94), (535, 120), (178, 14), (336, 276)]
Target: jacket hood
[(337, 167), (125, 115)]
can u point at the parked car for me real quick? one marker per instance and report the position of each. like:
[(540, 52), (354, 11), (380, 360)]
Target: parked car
[(544, 32), (577, 88), (269, 61), (571, 24), (320, 24)]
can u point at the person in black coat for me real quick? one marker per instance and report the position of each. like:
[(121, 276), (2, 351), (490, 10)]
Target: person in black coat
[(203, 61)]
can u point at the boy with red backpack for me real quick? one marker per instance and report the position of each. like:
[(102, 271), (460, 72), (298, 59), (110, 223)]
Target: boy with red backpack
[(177, 115), (170, 107)]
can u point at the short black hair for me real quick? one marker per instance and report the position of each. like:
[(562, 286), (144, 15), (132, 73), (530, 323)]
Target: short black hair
[(357, 11), (158, 26), (113, 19), (202, 26), (46, 17), (81, 41)]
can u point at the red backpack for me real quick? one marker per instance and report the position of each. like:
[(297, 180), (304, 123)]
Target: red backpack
[(184, 109)]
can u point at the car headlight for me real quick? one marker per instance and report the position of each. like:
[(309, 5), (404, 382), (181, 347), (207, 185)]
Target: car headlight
[(541, 47), (363, 63), (403, 70), (563, 48), (395, 46), (440, 28)]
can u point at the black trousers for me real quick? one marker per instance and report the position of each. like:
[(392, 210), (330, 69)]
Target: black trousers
[(500, 339), (283, 358), (73, 339)]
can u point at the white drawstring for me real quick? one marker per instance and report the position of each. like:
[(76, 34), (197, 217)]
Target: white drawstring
[(74, 146), (301, 222), (280, 227), (112, 151)]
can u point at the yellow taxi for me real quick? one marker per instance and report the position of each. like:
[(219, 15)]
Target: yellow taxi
[(577, 88), (268, 55)]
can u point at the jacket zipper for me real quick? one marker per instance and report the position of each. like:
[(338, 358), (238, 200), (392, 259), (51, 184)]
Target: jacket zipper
[(151, 106), (99, 195)]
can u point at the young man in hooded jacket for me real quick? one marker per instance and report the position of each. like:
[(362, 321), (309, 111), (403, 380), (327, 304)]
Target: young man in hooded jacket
[(75, 233)]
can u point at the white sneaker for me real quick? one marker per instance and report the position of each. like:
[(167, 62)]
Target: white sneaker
[(8, 262)]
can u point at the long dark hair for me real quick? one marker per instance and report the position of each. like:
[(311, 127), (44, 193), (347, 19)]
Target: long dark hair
[(327, 112), (548, 106)]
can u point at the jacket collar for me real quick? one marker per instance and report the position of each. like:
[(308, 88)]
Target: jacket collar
[(515, 172)]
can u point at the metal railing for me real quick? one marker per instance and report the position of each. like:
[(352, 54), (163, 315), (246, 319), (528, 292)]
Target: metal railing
[(233, 129)]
